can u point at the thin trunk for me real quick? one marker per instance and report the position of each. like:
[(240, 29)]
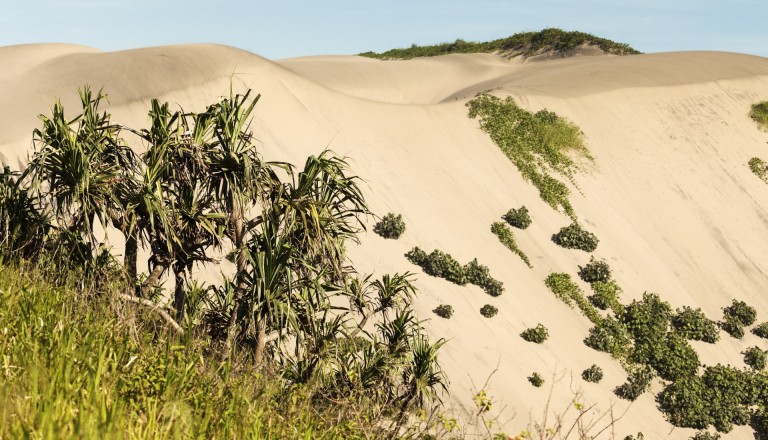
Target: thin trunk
[(180, 294), (238, 240), (261, 342), (153, 278), (129, 260)]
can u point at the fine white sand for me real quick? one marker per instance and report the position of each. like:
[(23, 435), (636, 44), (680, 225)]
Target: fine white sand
[(671, 198)]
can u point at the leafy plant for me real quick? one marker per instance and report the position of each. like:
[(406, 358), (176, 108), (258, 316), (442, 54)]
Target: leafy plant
[(438, 264), (737, 316), (693, 324), (755, 358), (537, 334), (606, 295), (706, 435), (574, 236), (761, 330), (759, 114), (444, 311), (519, 218), (536, 380), (480, 276), (595, 271), (507, 238), (592, 374), (637, 383), (390, 226), (609, 336), (489, 311), (569, 292), (759, 168)]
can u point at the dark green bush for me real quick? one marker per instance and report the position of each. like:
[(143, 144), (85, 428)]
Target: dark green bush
[(759, 114), (536, 380), (444, 311), (592, 374), (507, 238), (480, 276), (740, 312), (574, 236), (648, 318), (606, 296), (609, 336), (518, 218), (595, 270), (705, 435), (672, 357), (390, 226), (637, 383), (569, 292), (438, 264), (755, 358), (489, 311), (733, 328), (759, 168), (537, 334), (761, 330), (694, 325)]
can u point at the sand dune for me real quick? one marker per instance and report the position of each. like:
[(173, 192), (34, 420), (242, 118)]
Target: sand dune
[(671, 198)]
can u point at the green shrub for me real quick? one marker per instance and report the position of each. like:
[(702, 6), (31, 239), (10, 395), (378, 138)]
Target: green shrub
[(759, 114), (694, 325), (761, 330), (390, 226), (609, 336), (536, 380), (740, 312), (438, 264), (606, 296), (755, 358), (444, 311), (592, 374), (507, 238), (705, 435), (480, 276), (759, 168), (574, 236), (637, 383), (672, 357), (537, 334), (733, 328), (489, 311), (648, 318), (569, 292), (518, 218), (595, 271)]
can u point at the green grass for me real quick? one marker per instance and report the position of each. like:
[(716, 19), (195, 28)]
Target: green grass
[(76, 364), (540, 145), (759, 114), (507, 238), (523, 43)]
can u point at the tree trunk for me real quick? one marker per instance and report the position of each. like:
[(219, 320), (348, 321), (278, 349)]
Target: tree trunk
[(129, 260), (153, 278), (238, 240), (180, 294), (261, 342)]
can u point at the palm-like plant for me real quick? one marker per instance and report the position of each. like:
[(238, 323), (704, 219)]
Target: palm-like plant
[(22, 226)]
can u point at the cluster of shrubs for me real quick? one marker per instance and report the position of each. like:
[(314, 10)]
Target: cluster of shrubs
[(390, 226), (574, 236), (737, 316), (759, 114), (488, 311), (706, 435), (442, 265), (569, 292), (594, 271), (694, 325), (536, 380), (537, 334), (638, 382), (609, 336), (592, 374), (606, 295), (444, 311), (507, 238), (518, 218), (755, 358), (761, 330)]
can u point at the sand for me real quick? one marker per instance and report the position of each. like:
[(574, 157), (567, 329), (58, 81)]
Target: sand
[(670, 196)]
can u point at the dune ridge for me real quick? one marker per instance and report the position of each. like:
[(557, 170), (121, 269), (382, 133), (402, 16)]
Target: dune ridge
[(670, 196)]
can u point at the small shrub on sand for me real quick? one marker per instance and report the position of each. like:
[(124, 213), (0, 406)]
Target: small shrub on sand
[(637, 383), (536, 380), (507, 238), (390, 226), (609, 336), (489, 311), (606, 296), (755, 358), (569, 292), (537, 334), (759, 114), (737, 316), (694, 325), (761, 330), (444, 311), (759, 168), (574, 236), (592, 374), (518, 218), (595, 270)]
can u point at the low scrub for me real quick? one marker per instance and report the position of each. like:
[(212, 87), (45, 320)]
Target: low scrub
[(536, 380), (759, 168), (537, 334), (638, 382), (507, 238), (442, 265), (390, 226), (592, 374), (737, 316), (694, 325), (755, 357), (444, 311), (609, 336), (569, 292), (761, 330), (574, 236), (759, 114), (606, 296), (519, 218), (595, 270), (489, 311)]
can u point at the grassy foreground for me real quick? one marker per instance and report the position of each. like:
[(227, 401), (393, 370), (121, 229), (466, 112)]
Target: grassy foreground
[(523, 43)]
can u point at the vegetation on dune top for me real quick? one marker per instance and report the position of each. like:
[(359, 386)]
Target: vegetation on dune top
[(759, 114), (524, 43)]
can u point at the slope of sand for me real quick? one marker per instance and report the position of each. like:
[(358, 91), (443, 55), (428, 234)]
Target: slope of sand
[(675, 207)]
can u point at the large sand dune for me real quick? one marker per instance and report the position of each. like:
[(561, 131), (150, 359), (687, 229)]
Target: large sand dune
[(670, 197)]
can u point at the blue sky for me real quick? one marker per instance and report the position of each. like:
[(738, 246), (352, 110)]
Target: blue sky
[(296, 28)]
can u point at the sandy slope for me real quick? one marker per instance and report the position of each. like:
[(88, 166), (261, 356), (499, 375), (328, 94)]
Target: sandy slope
[(671, 198)]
